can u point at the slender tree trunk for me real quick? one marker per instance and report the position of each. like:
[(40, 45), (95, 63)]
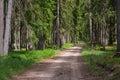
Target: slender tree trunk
[(1, 25), (104, 37), (104, 31), (12, 37), (118, 25), (27, 45), (90, 23), (58, 23), (41, 43), (110, 35), (19, 32), (60, 11), (101, 34), (57, 27), (8, 27)]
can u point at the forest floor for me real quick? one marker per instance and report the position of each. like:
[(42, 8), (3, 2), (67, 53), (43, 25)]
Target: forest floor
[(67, 65)]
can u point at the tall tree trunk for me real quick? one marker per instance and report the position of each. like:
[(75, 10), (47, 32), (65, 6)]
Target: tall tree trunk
[(19, 32), (1, 25), (110, 36), (118, 25), (57, 27), (8, 27), (90, 24), (60, 12), (104, 37), (58, 23), (27, 45), (41, 43)]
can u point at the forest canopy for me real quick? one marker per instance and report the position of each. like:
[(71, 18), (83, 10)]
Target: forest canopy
[(38, 24)]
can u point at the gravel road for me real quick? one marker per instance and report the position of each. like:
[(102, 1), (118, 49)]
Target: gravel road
[(67, 65)]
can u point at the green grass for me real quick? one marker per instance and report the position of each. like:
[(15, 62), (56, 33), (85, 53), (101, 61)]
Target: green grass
[(94, 57), (81, 43), (67, 45), (17, 61), (102, 62)]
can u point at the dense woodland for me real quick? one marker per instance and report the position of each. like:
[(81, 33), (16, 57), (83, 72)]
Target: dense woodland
[(31, 25), (28, 24)]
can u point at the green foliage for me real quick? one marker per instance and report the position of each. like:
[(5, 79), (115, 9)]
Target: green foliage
[(74, 19), (94, 57), (103, 62), (40, 16), (69, 19), (67, 45), (17, 61)]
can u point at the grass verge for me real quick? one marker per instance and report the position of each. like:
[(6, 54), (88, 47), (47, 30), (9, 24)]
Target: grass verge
[(103, 63), (17, 61), (67, 45)]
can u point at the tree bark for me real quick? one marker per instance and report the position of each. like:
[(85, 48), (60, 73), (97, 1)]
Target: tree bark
[(41, 43), (104, 37), (90, 24), (58, 23), (110, 36), (1, 25), (57, 27), (118, 25), (8, 27)]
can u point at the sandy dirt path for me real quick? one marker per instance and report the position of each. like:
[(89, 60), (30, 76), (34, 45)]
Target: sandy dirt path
[(68, 65)]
